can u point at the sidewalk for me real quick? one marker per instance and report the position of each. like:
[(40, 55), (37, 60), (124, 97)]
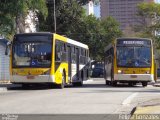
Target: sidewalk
[(157, 83), (149, 110)]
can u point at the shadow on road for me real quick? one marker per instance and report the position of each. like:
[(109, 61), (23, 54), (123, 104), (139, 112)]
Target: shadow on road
[(32, 87)]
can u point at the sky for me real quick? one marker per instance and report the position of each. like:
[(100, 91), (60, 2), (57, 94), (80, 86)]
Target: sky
[(97, 11), (157, 1)]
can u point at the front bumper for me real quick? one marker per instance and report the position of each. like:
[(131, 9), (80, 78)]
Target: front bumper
[(32, 79), (134, 77)]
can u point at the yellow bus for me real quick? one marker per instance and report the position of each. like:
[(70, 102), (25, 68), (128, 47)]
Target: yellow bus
[(48, 58), (129, 60)]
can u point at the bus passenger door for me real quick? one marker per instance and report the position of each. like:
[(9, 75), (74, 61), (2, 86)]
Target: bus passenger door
[(69, 63), (77, 64)]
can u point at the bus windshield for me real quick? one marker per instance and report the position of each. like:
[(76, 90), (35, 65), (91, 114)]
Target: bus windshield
[(32, 51), (138, 56)]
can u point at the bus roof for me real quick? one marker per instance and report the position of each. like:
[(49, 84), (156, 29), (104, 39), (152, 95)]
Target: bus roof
[(133, 38), (77, 43), (49, 33)]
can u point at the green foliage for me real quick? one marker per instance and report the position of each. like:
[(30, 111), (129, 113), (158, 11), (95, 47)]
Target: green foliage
[(12, 10), (68, 14), (149, 14)]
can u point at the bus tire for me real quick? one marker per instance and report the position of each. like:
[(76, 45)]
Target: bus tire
[(144, 84), (61, 86)]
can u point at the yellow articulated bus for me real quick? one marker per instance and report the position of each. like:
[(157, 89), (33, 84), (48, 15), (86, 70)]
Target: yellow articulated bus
[(48, 58), (129, 60)]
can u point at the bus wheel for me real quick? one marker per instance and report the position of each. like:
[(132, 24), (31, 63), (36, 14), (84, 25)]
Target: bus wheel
[(144, 84), (61, 86)]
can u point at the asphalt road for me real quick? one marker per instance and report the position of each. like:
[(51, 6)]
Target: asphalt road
[(93, 98)]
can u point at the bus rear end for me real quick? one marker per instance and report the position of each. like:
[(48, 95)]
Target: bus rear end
[(134, 61), (31, 58)]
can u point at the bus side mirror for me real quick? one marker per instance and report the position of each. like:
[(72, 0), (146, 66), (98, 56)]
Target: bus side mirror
[(7, 48)]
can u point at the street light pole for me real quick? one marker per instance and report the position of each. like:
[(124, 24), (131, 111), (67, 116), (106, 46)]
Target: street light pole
[(54, 16)]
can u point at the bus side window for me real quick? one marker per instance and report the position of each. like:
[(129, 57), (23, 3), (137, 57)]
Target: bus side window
[(73, 54), (64, 47), (82, 56), (63, 52), (58, 51), (85, 56)]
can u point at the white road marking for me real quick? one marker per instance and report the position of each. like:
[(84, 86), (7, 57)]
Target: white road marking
[(128, 100)]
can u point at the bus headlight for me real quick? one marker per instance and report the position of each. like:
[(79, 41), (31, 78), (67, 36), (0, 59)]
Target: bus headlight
[(147, 72), (119, 71)]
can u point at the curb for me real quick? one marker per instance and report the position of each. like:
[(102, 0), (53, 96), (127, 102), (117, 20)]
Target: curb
[(145, 110), (148, 110)]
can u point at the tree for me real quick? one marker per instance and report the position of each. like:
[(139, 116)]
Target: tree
[(68, 13), (149, 14), (97, 34), (13, 13)]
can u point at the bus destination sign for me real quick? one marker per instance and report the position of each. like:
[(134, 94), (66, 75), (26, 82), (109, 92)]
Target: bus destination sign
[(133, 42)]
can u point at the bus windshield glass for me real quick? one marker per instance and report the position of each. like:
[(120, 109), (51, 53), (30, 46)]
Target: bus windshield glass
[(32, 51), (137, 56)]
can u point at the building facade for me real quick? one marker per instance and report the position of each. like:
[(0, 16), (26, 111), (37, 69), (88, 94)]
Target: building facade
[(124, 11)]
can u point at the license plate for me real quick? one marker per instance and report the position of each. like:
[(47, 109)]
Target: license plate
[(30, 77), (133, 76)]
